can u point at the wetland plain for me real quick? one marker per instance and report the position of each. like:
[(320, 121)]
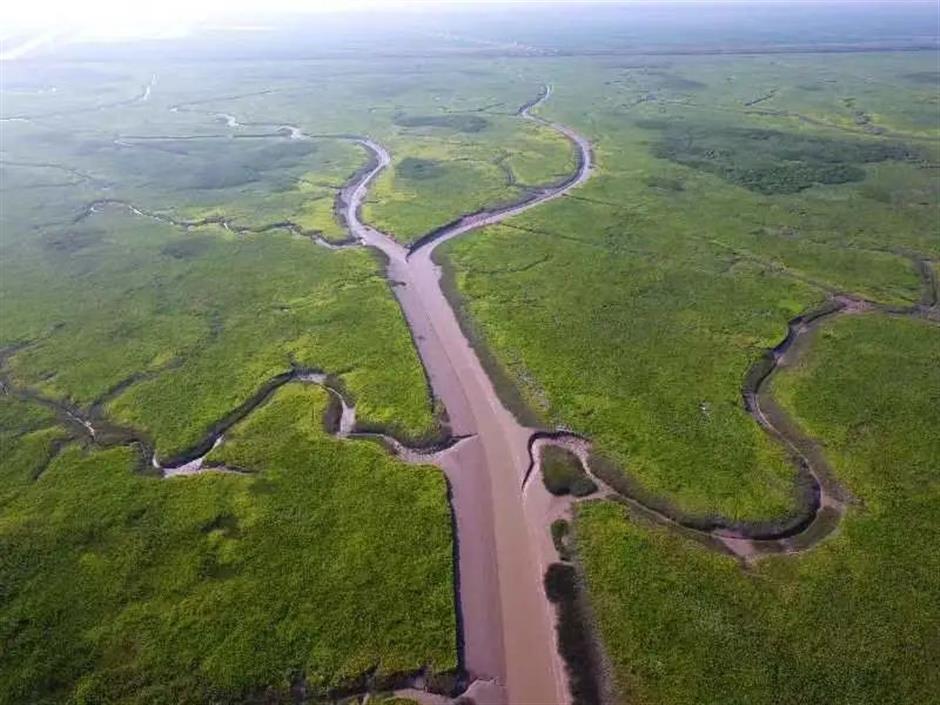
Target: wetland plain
[(515, 369)]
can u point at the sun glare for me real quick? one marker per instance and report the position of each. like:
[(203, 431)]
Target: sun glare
[(118, 19)]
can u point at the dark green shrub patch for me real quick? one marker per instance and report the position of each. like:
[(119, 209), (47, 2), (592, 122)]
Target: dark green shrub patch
[(770, 161), (188, 248), (414, 168), (574, 638), (460, 123), (927, 78), (675, 82), (664, 183), (560, 531)]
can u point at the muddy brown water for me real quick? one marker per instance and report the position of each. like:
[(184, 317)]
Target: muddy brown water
[(508, 624)]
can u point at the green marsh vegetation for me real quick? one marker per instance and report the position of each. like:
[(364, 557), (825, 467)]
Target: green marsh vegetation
[(444, 169), (671, 293), (562, 473), (421, 111), (465, 120), (630, 311), (851, 621), (202, 324), (329, 560), (460, 123), (252, 182), (167, 329), (218, 587), (768, 161)]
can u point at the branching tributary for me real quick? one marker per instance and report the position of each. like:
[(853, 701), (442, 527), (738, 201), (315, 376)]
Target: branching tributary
[(507, 642)]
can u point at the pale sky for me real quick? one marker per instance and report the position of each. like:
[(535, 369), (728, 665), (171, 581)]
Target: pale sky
[(28, 25), (114, 14), (120, 12)]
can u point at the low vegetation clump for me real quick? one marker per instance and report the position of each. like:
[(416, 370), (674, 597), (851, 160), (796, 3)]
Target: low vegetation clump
[(561, 531), (329, 561), (29, 440), (665, 183), (674, 82), (563, 473)]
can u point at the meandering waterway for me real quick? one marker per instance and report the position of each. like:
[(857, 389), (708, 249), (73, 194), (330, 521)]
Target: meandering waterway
[(508, 640)]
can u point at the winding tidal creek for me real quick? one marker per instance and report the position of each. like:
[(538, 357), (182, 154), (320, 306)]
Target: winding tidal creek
[(508, 646)]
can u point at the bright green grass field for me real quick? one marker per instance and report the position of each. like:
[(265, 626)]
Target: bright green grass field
[(331, 560), (176, 155), (631, 309), (462, 173), (852, 621), (207, 318), (116, 588), (674, 410)]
